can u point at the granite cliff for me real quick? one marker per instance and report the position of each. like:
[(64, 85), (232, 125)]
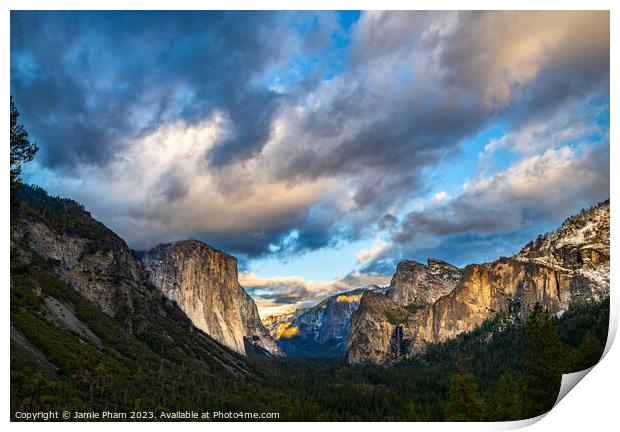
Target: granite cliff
[(415, 284), (426, 305), (203, 282)]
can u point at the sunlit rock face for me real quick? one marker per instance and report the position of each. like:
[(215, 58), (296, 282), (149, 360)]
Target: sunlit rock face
[(322, 330), (567, 266), (98, 264), (203, 282)]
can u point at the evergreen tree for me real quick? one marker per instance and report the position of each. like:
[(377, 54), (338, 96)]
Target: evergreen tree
[(590, 351), (22, 149), (463, 401), (506, 403), (541, 363)]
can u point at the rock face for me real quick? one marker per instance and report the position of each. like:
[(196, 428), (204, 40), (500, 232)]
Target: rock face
[(255, 332), (322, 330), (420, 285), (376, 331), (567, 266), (203, 282), (91, 259)]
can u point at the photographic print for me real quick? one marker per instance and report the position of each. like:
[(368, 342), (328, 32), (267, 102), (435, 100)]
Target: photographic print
[(306, 215)]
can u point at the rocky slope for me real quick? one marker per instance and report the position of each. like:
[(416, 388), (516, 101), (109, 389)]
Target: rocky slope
[(569, 265), (83, 253), (580, 247), (203, 282), (322, 330)]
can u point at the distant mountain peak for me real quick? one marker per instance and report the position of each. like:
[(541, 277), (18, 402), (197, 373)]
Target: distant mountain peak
[(321, 330)]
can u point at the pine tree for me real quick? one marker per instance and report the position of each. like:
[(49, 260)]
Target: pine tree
[(463, 401), (590, 351), (542, 371), (22, 149), (506, 403)]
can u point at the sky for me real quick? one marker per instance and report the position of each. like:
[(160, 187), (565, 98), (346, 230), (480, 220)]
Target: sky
[(320, 148)]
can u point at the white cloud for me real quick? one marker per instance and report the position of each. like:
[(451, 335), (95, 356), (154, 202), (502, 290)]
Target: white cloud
[(544, 179), (440, 196), (571, 124), (366, 255)]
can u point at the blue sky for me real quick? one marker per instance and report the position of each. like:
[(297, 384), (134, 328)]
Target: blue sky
[(320, 148)]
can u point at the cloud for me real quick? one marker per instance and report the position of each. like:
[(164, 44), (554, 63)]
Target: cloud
[(286, 293), (222, 126), (552, 167), (543, 187), (574, 123), (365, 255), (100, 79), (440, 196), (499, 53), (173, 195), (421, 89), (381, 34), (496, 215)]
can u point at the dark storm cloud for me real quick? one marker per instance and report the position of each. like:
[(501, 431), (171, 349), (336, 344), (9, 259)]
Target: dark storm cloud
[(381, 132), (397, 131), (388, 222), (251, 116), (285, 238), (88, 82)]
